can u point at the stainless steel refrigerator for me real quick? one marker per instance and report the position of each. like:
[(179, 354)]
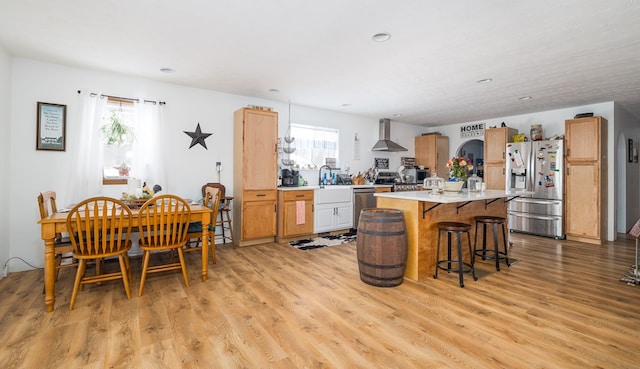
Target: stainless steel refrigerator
[(534, 173)]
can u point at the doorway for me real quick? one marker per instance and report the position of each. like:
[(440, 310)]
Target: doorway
[(474, 151)]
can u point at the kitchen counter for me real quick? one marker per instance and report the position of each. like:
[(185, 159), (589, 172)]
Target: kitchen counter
[(302, 188), (446, 197), (423, 210)]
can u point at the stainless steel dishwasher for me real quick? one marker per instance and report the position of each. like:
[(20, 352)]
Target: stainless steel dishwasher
[(362, 199)]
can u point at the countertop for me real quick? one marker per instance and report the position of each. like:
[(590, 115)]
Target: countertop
[(302, 188), (446, 197)]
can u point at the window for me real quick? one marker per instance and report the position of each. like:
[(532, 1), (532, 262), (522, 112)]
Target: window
[(118, 135), (145, 156), (313, 145)]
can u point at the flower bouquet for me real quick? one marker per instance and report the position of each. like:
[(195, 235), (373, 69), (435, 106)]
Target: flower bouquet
[(459, 169)]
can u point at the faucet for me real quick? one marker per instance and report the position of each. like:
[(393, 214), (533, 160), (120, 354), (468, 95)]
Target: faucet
[(320, 175)]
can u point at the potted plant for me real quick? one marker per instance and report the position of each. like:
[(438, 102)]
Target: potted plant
[(118, 137), (116, 131), (123, 170)]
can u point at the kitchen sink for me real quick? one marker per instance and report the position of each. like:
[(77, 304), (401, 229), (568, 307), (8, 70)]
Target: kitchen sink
[(333, 194)]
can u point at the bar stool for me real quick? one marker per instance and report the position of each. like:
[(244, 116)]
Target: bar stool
[(445, 264), (495, 253), (224, 218)]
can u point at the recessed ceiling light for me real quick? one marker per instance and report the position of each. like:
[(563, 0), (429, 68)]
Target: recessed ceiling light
[(524, 98), (485, 80), (397, 115), (345, 105), (167, 70), (274, 90), (381, 37)]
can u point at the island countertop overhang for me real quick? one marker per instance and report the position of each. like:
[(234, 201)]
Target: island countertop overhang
[(447, 197)]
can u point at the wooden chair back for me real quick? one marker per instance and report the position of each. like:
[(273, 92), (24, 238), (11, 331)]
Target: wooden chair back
[(164, 222), (99, 227), (217, 185), (212, 198), (47, 206), (47, 203)]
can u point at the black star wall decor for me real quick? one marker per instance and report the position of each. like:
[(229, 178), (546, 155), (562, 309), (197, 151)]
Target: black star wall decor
[(198, 137)]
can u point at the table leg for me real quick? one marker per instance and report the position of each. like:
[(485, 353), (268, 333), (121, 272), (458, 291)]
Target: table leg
[(49, 274), (205, 249)]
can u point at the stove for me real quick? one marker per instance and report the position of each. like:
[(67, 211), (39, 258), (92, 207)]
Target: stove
[(399, 187), (387, 178)]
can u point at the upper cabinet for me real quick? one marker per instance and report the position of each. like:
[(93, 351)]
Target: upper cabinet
[(432, 151), (495, 147)]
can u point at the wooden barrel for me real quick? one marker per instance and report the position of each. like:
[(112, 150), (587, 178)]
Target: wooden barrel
[(382, 247)]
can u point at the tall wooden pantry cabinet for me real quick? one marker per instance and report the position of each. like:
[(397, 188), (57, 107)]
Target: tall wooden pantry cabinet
[(586, 179), (432, 151), (495, 159), (255, 176)]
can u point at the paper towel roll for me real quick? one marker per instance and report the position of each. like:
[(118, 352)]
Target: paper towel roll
[(133, 184)]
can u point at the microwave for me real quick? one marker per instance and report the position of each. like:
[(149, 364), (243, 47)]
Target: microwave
[(421, 174)]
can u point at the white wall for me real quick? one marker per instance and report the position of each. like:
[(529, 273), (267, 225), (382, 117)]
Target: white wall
[(5, 119), (627, 191), (31, 171)]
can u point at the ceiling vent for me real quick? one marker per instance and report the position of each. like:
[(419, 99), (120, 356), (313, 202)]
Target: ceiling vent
[(385, 143)]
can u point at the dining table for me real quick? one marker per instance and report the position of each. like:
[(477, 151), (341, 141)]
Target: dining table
[(57, 223)]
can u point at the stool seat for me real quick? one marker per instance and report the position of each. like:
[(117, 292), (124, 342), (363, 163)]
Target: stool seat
[(490, 219), (485, 253), (455, 265), (454, 226)]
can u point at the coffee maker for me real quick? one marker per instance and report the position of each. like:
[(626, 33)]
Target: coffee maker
[(290, 178)]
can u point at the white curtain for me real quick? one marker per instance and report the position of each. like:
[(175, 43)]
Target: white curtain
[(86, 170), (148, 160)]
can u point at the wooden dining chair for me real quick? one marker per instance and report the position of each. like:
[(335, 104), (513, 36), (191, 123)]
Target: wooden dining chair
[(223, 220), (62, 245), (100, 227), (163, 222), (194, 234)]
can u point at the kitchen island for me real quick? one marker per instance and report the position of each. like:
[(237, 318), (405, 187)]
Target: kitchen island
[(423, 210)]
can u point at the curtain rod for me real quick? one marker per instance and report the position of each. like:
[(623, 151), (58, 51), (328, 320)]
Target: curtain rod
[(93, 94)]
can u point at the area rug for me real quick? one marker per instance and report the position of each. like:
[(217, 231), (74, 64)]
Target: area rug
[(326, 241), (630, 277)]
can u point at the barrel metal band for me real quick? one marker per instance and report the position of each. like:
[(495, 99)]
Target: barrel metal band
[(378, 266), (382, 233), (388, 279)]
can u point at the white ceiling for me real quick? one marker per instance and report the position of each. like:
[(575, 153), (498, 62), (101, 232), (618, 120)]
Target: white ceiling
[(320, 54)]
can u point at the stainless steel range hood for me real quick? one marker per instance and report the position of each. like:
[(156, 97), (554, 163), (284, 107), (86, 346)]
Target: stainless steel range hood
[(385, 143)]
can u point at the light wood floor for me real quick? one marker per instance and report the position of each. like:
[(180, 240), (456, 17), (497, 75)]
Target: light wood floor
[(272, 306)]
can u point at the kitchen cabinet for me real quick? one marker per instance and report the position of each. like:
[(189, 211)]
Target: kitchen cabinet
[(333, 209), (495, 145), (255, 169), (586, 179), (432, 151), (289, 224)]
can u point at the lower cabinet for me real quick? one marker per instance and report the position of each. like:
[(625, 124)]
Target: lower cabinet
[(259, 214), (291, 205), (333, 209)]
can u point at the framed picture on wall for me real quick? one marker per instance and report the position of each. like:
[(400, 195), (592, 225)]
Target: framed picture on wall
[(630, 149), (51, 128)]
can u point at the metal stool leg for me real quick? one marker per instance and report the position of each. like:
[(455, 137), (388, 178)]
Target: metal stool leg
[(504, 238), (473, 259), (460, 272), (495, 245), (435, 275)]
